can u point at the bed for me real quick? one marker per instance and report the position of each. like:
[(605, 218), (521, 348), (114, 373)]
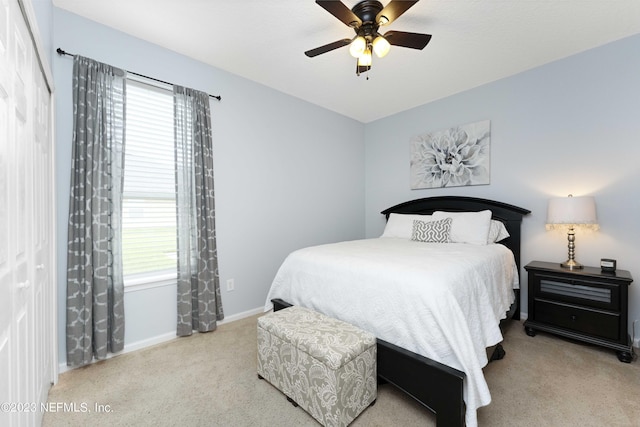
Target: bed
[(440, 365)]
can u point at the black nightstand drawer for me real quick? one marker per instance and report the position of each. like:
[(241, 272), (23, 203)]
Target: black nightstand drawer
[(604, 325), (579, 292)]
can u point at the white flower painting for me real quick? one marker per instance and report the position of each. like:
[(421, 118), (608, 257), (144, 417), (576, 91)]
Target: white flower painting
[(453, 157)]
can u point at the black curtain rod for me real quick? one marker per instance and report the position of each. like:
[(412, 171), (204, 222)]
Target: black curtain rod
[(62, 52)]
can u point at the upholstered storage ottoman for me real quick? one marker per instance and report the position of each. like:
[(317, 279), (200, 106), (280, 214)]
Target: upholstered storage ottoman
[(326, 366)]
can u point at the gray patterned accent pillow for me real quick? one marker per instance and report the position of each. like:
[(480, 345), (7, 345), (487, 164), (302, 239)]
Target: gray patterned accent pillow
[(432, 231)]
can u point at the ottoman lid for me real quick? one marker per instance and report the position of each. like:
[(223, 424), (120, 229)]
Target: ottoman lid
[(329, 340)]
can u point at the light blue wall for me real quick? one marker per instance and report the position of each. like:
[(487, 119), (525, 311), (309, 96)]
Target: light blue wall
[(288, 174), (572, 126)]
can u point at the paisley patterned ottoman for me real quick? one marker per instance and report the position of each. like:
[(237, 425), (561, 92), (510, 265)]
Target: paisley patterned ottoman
[(326, 366)]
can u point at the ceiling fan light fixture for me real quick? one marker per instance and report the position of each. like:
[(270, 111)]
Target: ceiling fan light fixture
[(365, 59), (358, 47), (365, 19), (381, 46)]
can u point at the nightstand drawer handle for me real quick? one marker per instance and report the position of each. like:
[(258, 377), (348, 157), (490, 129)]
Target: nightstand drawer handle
[(574, 317)]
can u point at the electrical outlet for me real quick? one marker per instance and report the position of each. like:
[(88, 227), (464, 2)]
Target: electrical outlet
[(230, 285)]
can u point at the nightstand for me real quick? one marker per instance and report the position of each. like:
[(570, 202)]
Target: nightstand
[(586, 305)]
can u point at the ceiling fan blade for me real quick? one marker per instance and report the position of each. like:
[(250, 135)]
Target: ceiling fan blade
[(340, 11), (393, 10), (327, 48), (410, 40)]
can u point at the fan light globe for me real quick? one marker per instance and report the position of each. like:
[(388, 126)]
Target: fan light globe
[(357, 47), (381, 46), (365, 59)]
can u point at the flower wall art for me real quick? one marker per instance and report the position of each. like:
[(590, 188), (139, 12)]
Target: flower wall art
[(454, 157)]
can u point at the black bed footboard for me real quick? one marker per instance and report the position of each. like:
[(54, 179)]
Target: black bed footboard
[(279, 304), (437, 386)]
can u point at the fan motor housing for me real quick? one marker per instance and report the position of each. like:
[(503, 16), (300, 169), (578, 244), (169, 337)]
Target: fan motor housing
[(367, 10)]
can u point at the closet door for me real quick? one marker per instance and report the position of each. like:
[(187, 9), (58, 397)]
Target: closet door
[(27, 292), (6, 271), (21, 186), (42, 244)]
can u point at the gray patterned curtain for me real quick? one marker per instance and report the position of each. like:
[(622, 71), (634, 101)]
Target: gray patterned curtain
[(199, 302), (95, 308)]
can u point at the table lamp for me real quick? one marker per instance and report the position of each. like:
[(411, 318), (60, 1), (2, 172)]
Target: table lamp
[(571, 213)]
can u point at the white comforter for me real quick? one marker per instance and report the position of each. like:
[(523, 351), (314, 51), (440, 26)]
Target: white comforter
[(443, 301)]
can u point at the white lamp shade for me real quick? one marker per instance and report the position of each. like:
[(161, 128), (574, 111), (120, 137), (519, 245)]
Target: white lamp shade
[(572, 211)]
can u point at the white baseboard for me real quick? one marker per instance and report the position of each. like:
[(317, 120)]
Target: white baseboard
[(242, 315), (159, 339)]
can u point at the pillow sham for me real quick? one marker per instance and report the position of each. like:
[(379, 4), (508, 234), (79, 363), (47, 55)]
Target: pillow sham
[(467, 227), (432, 231), (497, 232), (401, 225)]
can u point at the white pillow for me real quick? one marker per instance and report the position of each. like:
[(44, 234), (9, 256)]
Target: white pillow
[(467, 227), (401, 225), (497, 232)]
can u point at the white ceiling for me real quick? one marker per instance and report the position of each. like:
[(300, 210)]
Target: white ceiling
[(474, 42)]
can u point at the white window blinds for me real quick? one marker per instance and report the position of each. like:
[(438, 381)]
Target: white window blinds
[(149, 206)]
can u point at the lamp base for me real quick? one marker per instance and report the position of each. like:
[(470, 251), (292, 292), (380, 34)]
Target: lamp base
[(571, 264)]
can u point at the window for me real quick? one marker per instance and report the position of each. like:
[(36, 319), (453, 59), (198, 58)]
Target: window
[(149, 205)]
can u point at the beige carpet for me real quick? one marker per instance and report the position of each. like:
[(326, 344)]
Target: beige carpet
[(210, 380)]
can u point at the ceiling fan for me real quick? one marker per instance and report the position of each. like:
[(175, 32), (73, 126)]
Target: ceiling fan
[(366, 18)]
